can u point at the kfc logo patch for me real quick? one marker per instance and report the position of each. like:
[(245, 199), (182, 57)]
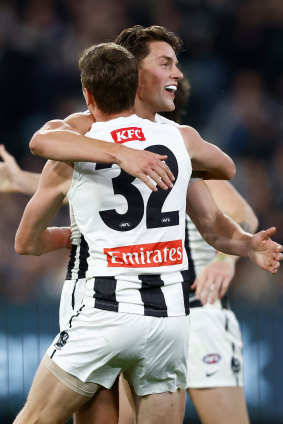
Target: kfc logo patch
[(146, 255), (127, 134)]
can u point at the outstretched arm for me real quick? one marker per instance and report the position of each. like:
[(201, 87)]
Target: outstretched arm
[(216, 276), (226, 235), (33, 236), (59, 140)]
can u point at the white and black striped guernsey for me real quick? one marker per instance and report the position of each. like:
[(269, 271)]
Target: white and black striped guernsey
[(136, 258)]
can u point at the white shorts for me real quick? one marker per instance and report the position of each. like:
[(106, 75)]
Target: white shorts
[(215, 348), (99, 345), (72, 295)]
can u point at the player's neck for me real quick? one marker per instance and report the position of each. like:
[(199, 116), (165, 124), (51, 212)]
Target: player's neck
[(143, 111), (102, 117)]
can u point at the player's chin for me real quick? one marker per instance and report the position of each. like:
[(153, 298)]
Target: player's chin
[(169, 106)]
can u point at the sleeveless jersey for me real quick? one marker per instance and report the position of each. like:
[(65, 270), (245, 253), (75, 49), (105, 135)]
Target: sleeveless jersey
[(135, 237), (199, 252)]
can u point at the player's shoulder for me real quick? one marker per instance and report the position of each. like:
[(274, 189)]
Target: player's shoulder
[(159, 119), (57, 170), (79, 120)]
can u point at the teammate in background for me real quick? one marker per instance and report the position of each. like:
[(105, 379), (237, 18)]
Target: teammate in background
[(215, 386), (107, 293)]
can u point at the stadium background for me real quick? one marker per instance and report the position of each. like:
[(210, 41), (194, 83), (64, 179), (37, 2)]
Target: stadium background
[(233, 57)]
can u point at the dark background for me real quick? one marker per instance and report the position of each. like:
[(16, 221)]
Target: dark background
[(233, 57)]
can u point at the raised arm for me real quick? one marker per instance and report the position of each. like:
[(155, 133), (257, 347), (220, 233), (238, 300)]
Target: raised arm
[(33, 236), (62, 141), (226, 235), (13, 179), (207, 158)]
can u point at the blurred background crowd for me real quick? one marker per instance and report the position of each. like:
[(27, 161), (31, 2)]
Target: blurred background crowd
[(233, 58)]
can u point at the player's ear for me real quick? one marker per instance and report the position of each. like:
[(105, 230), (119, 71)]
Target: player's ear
[(89, 100), (88, 97)]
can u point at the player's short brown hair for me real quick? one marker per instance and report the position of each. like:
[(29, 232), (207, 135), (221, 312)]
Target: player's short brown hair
[(110, 73), (137, 38)]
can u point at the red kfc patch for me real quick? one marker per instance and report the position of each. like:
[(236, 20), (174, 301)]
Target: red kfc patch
[(127, 134)]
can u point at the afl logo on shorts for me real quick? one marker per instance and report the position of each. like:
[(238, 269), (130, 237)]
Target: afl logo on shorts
[(62, 340), (211, 358)]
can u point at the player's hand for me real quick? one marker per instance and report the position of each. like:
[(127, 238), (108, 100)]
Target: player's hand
[(149, 167), (264, 252), (9, 171), (214, 280)]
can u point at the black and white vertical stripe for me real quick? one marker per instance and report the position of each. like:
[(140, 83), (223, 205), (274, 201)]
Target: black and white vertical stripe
[(77, 266), (158, 295)]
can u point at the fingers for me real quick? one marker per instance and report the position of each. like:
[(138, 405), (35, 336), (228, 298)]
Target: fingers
[(204, 287), (144, 178), (224, 287), (166, 169), (215, 289), (267, 233), (3, 153), (154, 176), (161, 173)]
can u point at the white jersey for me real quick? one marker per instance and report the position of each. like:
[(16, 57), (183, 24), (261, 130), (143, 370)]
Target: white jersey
[(135, 236)]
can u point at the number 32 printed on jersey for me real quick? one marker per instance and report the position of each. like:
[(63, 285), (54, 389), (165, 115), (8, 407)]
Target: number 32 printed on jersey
[(122, 184)]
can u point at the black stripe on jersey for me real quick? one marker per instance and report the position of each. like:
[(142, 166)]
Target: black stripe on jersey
[(192, 271), (152, 296), (71, 262), (186, 291), (104, 293), (84, 254)]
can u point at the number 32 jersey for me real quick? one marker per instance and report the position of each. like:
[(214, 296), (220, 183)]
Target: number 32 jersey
[(137, 261)]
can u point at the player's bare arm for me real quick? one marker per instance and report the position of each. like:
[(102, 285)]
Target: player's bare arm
[(33, 236), (226, 235), (215, 278), (57, 140), (13, 179), (206, 157)]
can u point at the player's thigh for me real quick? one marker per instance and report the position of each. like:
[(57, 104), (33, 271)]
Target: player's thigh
[(160, 408), (49, 401), (103, 408), (220, 405), (126, 402)]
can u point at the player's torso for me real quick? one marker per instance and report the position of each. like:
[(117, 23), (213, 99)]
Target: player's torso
[(129, 228)]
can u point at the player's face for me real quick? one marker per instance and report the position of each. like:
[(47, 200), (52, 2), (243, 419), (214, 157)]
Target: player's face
[(158, 78)]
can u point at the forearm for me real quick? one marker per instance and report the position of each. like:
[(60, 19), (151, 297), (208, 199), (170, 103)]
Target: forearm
[(65, 145), (26, 182), (226, 236), (53, 238)]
